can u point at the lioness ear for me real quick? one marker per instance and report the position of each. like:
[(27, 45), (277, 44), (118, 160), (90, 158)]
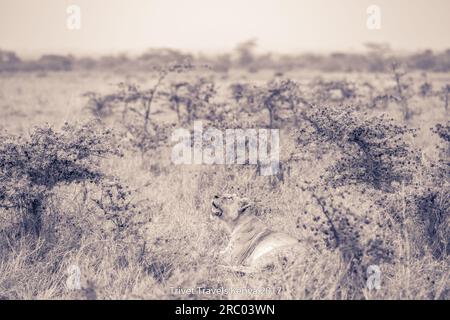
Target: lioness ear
[(244, 205)]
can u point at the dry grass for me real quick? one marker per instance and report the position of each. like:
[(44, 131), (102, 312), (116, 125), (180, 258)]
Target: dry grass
[(181, 244)]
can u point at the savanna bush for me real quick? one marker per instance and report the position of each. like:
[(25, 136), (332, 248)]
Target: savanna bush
[(370, 155), (191, 100), (431, 201), (338, 91), (372, 151), (32, 167), (122, 212), (356, 231), (133, 105), (281, 99), (443, 131)]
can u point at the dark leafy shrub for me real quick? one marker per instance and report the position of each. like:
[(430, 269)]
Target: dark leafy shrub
[(421, 208), (31, 167), (191, 100), (442, 172), (425, 89), (333, 91), (431, 200), (151, 137), (281, 99), (382, 100), (121, 210), (433, 208), (101, 106), (373, 151), (342, 229), (239, 91), (443, 131)]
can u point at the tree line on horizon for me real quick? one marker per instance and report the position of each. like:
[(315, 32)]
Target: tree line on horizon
[(376, 58)]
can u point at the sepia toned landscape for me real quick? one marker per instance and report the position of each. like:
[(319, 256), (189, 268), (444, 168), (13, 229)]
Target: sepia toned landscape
[(92, 205)]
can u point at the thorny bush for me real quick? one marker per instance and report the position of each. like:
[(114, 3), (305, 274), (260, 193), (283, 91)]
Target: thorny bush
[(135, 106), (373, 151), (32, 167)]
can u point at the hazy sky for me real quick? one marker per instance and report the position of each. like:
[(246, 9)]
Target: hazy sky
[(36, 26)]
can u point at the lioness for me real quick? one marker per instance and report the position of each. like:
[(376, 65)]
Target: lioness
[(250, 240)]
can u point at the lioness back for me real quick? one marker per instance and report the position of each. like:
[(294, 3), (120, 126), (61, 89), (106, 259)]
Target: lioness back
[(251, 240)]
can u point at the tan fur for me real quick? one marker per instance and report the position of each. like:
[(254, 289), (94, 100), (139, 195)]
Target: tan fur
[(251, 241)]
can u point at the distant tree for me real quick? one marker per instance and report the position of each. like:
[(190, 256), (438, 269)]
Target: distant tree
[(245, 52), (423, 61), (55, 62), (164, 56), (381, 49), (8, 57), (9, 61), (377, 54)]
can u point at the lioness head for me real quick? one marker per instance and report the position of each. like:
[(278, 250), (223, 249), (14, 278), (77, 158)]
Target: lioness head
[(228, 207)]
